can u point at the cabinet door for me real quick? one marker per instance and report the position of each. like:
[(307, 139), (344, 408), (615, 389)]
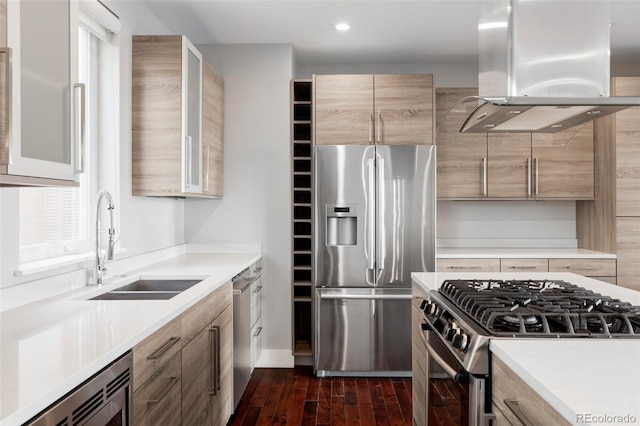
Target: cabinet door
[(45, 101), (222, 401), (343, 109), (563, 163), (197, 379), (212, 131), (461, 158), (192, 118), (627, 127), (158, 400), (419, 367), (628, 251), (403, 109), (509, 164)]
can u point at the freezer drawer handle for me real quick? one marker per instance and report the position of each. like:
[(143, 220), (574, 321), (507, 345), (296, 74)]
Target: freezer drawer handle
[(366, 296)]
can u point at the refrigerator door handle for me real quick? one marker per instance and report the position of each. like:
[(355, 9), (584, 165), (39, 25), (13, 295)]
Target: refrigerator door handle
[(380, 231), (371, 215)]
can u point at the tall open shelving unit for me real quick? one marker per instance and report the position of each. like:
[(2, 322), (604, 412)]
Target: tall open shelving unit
[(302, 217)]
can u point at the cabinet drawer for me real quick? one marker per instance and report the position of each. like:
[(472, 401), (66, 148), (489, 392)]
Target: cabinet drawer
[(256, 301), (150, 354), (158, 400), (514, 398), (203, 312), (468, 265), (586, 267), (524, 265)]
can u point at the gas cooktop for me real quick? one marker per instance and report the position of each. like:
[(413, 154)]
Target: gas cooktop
[(542, 308)]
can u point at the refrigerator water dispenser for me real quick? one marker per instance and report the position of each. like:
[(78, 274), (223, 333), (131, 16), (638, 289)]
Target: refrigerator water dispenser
[(342, 225)]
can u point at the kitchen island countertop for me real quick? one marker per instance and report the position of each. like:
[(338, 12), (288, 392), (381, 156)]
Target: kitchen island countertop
[(577, 377), (51, 346)]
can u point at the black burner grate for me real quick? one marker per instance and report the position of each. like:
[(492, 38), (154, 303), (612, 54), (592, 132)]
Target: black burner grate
[(542, 308)]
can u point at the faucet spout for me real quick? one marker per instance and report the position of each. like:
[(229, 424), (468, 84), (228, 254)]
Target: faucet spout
[(100, 269)]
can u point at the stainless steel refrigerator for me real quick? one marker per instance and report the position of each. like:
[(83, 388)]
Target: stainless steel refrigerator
[(374, 225)]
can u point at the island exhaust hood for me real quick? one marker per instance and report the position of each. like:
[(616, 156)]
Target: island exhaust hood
[(543, 67)]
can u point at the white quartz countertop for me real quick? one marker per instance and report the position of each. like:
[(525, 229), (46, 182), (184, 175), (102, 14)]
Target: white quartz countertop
[(596, 377), (49, 347), (520, 253)]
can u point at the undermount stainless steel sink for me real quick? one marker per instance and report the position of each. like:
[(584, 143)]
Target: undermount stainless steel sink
[(148, 290)]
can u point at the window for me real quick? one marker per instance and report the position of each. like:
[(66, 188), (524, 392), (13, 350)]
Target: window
[(59, 221)]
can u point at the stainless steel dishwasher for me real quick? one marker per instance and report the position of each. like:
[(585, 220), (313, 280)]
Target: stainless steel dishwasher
[(241, 333)]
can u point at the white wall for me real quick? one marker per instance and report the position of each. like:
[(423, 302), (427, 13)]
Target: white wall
[(146, 224), (257, 180)]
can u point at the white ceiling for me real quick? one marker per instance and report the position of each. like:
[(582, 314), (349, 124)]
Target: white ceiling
[(392, 31)]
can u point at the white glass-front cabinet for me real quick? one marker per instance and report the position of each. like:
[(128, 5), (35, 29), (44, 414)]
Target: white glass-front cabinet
[(43, 107), (167, 153)]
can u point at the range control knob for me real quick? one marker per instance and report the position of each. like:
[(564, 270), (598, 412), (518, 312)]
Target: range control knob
[(430, 308), (460, 341), (450, 333), (423, 304)]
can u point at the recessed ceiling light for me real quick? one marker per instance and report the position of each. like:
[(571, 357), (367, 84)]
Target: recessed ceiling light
[(343, 26)]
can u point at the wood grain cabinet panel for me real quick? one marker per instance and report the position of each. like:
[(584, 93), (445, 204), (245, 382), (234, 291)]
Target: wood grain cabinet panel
[(628, 236), (509, 165), (158, 401), (150, 354), (627, 141), (563, 163), (461, 158), (524, 265), (404, 112), (343, 109), (222, 401), (419, 366), (212, 132), (586, 267), (515, 399), (197, 379), (467, 265), (201, 314), (373, 109)]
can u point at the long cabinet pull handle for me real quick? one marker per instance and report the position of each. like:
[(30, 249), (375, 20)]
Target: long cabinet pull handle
[(484, 176), (463, 267), (380, 217), (206, 176), (166, 390), (217, 357), (513, 405), (214, 371), (522, 267), (80, 119), (188, 159), (8, 81), (378, 127), (537, 163), (164, 348), (371, 128), (258, 331), (529, 177)]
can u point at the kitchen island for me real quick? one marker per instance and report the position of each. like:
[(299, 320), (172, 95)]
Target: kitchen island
[(51, 346), (585, 380)]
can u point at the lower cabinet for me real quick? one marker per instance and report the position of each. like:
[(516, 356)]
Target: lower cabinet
[(516, 403), (183, 373)]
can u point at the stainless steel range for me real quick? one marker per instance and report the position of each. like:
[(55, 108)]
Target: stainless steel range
[(462, 316)]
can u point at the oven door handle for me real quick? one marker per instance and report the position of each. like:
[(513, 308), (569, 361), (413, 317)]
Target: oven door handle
[(451, 372)]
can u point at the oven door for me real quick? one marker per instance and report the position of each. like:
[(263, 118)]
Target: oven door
[(455, 397)]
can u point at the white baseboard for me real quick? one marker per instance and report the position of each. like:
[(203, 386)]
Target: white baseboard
[(271, 358)]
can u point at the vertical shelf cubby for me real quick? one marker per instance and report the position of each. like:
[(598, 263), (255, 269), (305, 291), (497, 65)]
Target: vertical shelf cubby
[(302, 216)]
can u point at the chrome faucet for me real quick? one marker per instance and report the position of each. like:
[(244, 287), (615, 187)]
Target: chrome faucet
[(100, 270)]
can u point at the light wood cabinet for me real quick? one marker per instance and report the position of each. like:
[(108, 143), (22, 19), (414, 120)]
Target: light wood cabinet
[(461, 158), (563, 164), (207, 362), (517, 403), (509, 165), (175, 151), (587, 267), (419, 366), (40, 84), (212, 132), (467, 265), (158, 401), (628, 251), (524, 265), (373, 109)]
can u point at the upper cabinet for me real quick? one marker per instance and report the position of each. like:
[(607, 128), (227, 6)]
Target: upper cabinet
[(42, 104), (172, 89), (373, 109), (509, 165)]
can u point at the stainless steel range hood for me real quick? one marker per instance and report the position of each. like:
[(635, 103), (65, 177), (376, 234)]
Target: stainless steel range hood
[(544, 67)]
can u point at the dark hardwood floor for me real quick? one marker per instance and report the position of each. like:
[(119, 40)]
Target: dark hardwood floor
[(296, 397)]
